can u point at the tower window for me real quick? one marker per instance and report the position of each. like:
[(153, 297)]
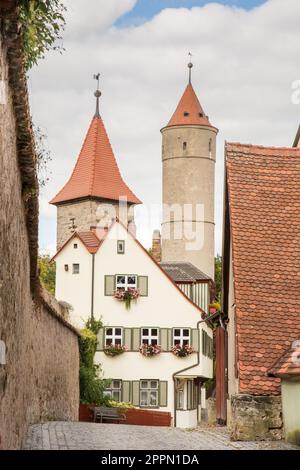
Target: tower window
[(75, 268), (186, 113), (209, 145), (184, 145)]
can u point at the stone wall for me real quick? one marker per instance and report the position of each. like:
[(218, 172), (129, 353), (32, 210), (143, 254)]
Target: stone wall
[(39, 380), (81, 215), (256, 418)]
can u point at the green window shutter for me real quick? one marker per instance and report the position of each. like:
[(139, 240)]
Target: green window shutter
[(109, 285), (170, 339), (136, 340), (126, 391), (135, 396), (127, 338), (163, 393), (100, 339), (195, 339), (164, 339), (143, 285)]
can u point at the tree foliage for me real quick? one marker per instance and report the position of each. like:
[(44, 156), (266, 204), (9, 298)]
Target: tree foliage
[(91, 385), (42, 24), (47, 273)]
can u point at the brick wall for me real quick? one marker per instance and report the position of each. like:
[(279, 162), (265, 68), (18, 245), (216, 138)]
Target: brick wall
[(40, 378)]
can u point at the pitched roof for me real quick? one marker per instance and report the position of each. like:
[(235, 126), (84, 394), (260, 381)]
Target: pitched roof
[(288, 364), (264, 206), (189, 110), (184, 272), (96, 173), (91, 239)]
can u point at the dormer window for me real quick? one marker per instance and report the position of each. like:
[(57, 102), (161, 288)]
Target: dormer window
[(200, 114), (186, 113)]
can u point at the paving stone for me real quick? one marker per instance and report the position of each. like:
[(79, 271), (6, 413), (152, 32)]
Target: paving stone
[(98, 436)]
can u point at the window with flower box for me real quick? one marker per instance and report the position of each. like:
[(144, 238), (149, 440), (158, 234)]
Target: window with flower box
[(150, 336), (181, 336), (114, 391), (125, 281), (113, 336), (149, 393)]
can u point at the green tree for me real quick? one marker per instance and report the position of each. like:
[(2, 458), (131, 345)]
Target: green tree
[(92, 386), (218, 277), (47, 273), (42, 23)]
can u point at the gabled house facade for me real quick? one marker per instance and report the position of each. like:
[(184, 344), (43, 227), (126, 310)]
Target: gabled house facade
[(91, 268), (261, 283)]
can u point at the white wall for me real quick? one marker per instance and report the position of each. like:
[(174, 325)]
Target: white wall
[(75, 288)]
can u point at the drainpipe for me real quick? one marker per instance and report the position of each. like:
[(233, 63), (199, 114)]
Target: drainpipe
[(93, 277), (189, 367)]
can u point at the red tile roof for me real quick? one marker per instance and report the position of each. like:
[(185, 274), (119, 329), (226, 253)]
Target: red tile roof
[(264, 207), (189, 110), (96, 173), (289, 363)]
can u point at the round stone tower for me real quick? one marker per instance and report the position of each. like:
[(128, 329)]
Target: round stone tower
[(188, 158)]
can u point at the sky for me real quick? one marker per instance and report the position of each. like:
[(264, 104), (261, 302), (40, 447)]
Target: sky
[(246, 62)]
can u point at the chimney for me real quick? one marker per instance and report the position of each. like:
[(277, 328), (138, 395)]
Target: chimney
[(156, 246)]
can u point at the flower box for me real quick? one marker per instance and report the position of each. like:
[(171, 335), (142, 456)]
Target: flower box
[(114, 350), (182, 351), (149, 350), (127, 295)]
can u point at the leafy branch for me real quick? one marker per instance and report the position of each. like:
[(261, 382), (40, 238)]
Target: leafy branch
[(42, 24)]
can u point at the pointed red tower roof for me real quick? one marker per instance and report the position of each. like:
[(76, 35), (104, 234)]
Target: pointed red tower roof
[(96, 173), (189, 110)]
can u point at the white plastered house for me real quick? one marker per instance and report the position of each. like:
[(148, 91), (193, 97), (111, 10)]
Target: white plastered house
[(89, 268)]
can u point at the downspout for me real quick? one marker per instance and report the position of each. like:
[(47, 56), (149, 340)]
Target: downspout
[(92, 294), (190, 367)]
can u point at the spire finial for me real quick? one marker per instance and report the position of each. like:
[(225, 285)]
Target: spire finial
[(97, 94), (190, 66)]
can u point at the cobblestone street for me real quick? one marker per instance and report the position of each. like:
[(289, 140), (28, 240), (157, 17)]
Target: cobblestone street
[(68, 435)]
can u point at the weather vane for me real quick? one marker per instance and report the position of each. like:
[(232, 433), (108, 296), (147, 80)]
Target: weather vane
[(97, 93), (190, 65)]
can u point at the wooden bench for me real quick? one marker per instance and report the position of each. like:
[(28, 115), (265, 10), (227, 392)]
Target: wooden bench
[(106, 413)]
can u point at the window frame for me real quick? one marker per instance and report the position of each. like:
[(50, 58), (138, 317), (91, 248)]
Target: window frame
[(150, 337), (126, 285), (73, 268), (181, 337), (113, 336), (149, 390), (108, 391), (122, 250)]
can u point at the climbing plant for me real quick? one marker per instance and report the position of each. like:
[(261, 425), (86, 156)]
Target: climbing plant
[(42, 23)]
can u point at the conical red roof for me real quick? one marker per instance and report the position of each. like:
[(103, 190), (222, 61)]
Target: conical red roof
[(96, 173), (189, 110)]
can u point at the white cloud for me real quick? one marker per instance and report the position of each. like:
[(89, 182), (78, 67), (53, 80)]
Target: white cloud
[(245, 64)]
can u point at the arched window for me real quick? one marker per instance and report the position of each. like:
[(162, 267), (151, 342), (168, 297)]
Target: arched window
[(184, 145)]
